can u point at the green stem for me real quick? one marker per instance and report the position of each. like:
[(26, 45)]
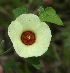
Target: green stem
[(6, 52)]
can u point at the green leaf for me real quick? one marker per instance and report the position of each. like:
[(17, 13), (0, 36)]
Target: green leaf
[(21, 10), (34, 61), (37, 66), (49, 15)]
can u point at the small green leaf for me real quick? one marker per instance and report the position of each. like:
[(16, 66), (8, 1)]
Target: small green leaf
[(34, 61), (21, 10), (49, 15), (37, 66)]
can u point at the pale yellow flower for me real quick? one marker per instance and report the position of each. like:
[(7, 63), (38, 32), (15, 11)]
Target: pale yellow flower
[(30, 36)]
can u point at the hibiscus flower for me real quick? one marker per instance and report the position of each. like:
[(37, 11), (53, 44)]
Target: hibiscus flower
[(30, 36)]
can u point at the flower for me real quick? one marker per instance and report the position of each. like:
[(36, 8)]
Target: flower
[(30, 36)]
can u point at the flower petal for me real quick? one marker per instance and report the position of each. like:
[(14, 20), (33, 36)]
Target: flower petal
[(15, 30), (43, 38), (29, 21), (32, 23)]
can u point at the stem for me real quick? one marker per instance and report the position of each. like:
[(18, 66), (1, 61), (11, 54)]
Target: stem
[(6, 52)]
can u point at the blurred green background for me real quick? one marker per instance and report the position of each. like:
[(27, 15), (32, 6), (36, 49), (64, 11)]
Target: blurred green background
[(56, 59)]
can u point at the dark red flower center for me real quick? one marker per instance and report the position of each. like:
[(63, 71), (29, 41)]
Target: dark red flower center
[(28, 37)]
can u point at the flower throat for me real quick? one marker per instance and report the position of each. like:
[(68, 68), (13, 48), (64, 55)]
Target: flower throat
[(28, 37)]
